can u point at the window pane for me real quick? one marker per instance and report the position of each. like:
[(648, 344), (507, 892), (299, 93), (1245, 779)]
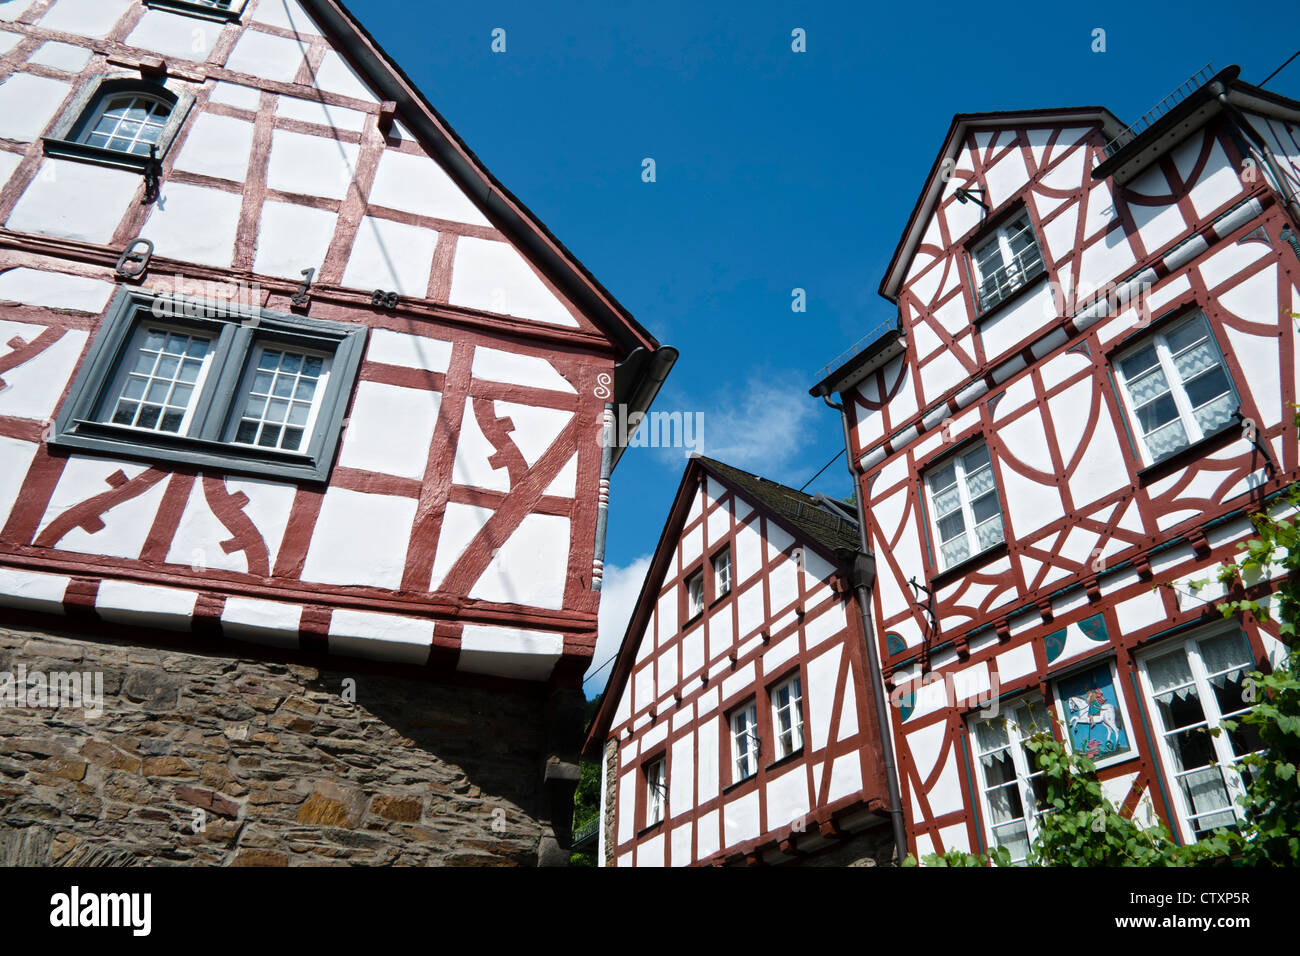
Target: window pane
[(1169, 671), (1163, 442), (156, 376), (989, 533), (955, 551), (1215, 414), (947, 502), (270, 403), (1015, 837)]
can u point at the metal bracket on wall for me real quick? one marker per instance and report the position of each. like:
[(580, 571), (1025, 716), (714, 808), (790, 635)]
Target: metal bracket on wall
[(133, 264)]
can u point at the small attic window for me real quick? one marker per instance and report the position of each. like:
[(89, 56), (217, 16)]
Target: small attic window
[(125, 121), (1006, 260), (221, 10)]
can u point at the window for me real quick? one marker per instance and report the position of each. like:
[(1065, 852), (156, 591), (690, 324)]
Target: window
[(1006, 260), (721, 573), (1176, 388), (695, 594), (213, 384), (964, 500), (1092, 712), (744, 741), (127, 123), (1192, 689), (221, 10), (1011, 786), (656, 781), (787, 716), (121, 120)]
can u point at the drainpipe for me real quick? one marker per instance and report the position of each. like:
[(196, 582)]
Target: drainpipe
[(1247, 131), (863, 577)]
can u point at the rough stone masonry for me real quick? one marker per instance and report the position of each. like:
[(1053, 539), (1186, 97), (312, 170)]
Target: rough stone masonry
[(203, 756)]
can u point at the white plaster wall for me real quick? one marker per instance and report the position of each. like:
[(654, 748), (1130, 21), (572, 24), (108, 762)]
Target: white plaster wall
[(322, 114), (417, 184), (217, 146), (175, 36), (509, 652), (292, 238), (286, 14), (269, 57), (311, 165), (194, 224), (58, 56), (360, 539), (28, 104), (408, 351), (390, 429), (531, 567), (493, 277), (511, 368), (87, 18), (391, 256), (460, 523), (75, 201), (336, 76), (389, 637)]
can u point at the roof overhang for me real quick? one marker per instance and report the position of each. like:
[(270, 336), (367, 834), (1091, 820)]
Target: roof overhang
[(963, 123), (504, 209), (1200, 107)]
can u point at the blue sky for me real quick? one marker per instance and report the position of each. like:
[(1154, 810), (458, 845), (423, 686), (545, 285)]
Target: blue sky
[(774, 170)]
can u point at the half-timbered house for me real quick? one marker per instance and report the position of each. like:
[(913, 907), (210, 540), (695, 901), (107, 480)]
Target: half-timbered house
[(1086, 390), (738, 725), (286, 373)]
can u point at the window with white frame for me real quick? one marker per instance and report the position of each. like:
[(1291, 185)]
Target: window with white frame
[(1012, 791), (1176, 387), (695, 594), (787, 716), (745, 745), (656, 781), (965, 511), (722, 572), (1192, 688), (1006, 260), (213, 384)]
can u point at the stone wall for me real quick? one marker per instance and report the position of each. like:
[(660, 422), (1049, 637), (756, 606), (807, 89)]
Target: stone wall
[(611, 799), (268, 759)]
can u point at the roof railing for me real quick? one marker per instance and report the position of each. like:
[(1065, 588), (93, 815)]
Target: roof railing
[(1184, 90), (877, 332)]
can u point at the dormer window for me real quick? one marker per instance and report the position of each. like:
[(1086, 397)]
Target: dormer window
[(1006, 260)]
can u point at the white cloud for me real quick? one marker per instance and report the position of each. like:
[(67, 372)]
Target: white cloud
[(762, 427), (618, 594)]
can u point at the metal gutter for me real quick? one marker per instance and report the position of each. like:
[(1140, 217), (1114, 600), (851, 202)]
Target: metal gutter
[(864, 576)]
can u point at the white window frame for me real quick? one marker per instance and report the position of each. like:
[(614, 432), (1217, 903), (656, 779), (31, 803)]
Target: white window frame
[(1224, 757), (1016, 737), (1177, 390), (125, 372), (796, 707), (252, 366), (107, 99), (656, 781), (1019, 269), (957, 460), (745, 742), (694, 604), (721, 564)]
